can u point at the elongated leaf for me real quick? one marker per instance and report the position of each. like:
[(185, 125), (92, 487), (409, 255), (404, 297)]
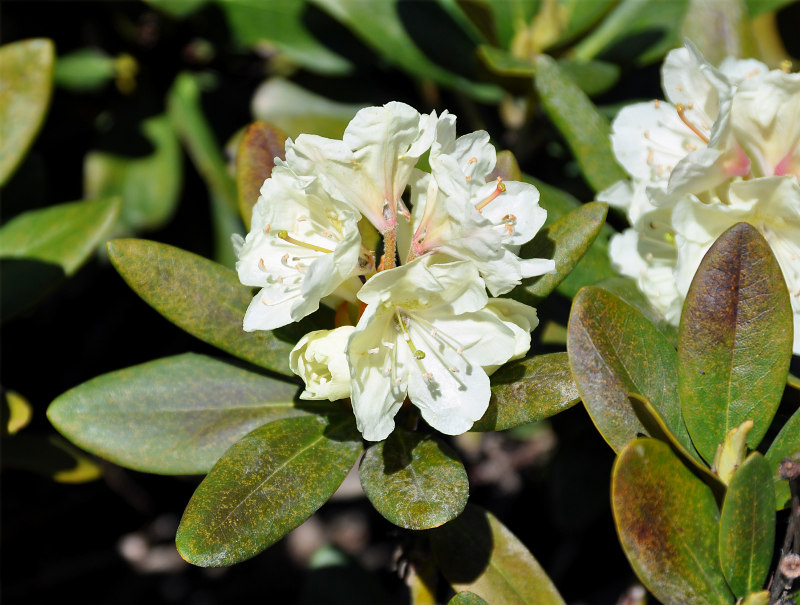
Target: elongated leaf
[(614, 351), (39, 248), (785, 445), (734, 340), (199, 296), (264, 486), (565, 240), (50, 457), (85, 69), (260, 145), (281, 24), (186, 115), (414, 480), (26, 84), (378, 25), (149, 186), (747, 527), (528, 391), (625, 289), (478, 554), (583, 127), (175, 415), (668, 525)]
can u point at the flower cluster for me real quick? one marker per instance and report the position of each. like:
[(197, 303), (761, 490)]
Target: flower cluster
[(724, 148), (427, 328)]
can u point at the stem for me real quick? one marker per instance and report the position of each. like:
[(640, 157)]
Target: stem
[(787, 571)]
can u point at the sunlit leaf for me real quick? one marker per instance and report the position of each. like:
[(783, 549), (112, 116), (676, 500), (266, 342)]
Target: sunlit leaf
[(26, 84), (785, 445), (528, 391), (199, 296), (296, 110), (175, 415), (668, 525), (734, 340), (261, 143), (281, 24), (414, 480), (20, 413), (747, 527), (565, 240), (614, 351), (379, 25), (585, 130), (265, 485), (478, 554), (149, 186)]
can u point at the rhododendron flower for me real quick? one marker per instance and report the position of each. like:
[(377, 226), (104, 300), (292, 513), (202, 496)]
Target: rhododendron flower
[(457, 212), (319, 358), (301, 247), (425, 333)]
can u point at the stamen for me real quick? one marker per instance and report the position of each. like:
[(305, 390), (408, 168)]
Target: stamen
[(786, 66), (261, 264), (407, 337), (473, 160), (469, 178), (657, 103), (682, 115), (302, 218), (268, 227), (284, 235), (501, 187)]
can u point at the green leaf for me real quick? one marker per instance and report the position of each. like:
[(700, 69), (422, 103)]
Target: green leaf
[(593, 77), (668, 525), (85, 69), (17, 413), (261, 143), (640, 31), (747, 527), (296, 110), (734, 340), (149, 186), (478, 554), (39, 248), (565, 240), (49, 456), (625, 288), (199, 296), (186, 115), (281, 24), (378, 25), (757, 7), (173, 416), (414, 480), (614, 351), (177, 8), (26, 84), (509, 16), (785, 445), (264, 486), (528, 391), (585, 130), (467, 598)]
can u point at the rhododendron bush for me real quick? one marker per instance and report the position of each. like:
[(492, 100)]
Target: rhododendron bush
[(460, 306)]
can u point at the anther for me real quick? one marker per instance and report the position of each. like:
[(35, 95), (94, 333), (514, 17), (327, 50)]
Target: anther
[(682, 115), (267, 228), (473, 160), (261, 264), (501, 187), (419, 354), (284, 235), (650, 157)]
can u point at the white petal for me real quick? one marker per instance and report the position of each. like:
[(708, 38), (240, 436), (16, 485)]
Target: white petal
[(319, 359)]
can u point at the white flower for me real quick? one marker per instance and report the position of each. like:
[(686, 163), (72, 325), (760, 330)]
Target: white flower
[(457, 212), (520, 319), (369, 169), (302, 246), (425, 332), (319, 359)]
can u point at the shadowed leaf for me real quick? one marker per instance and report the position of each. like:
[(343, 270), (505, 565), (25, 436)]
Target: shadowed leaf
[(478, 554), (565, 240), (26, 84), (668, 525), (734, 340), (199, 296), (260, 145), (585, 130), (785, 445), (264, 486), (414, 480), (173, 416), (467, 598), (747, 526), (614, 351), (528, 391), (49, 456)]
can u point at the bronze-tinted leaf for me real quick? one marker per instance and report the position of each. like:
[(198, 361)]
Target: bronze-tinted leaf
[(260, 145), (734, 340)]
